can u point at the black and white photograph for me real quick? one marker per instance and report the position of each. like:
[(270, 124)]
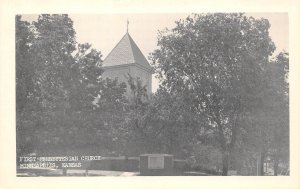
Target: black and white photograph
[(187, 94)]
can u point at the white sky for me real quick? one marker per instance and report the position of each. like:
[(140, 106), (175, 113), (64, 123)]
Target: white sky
[(104, 31)]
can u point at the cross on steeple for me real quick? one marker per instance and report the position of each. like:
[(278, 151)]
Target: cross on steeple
[(127, 25)]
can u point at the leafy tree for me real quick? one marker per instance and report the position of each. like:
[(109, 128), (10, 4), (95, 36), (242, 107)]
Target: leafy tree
[(110, 115), (85, 78), (174, 124), (280, 138), (276, 104), (136, 122), (25, 92), (59, 81), (267, 131), (52, 48), (51, 51), (217, 60), (24, 67)]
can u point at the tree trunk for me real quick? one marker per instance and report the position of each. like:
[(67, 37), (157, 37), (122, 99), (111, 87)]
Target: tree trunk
[(170, 151), (225, 162), (225, 153), (275, 167), (231, 156), (262, 160)]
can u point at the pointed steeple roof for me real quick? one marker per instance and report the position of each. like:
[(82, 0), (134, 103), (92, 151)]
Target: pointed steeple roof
[(126, 52)]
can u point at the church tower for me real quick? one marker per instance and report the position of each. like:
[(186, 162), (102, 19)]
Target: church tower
[(126, 58)]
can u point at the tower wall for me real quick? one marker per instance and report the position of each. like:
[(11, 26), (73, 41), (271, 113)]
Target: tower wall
[(121, 73)]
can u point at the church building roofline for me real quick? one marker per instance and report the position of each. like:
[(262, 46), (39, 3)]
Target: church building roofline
[(126, 52)]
